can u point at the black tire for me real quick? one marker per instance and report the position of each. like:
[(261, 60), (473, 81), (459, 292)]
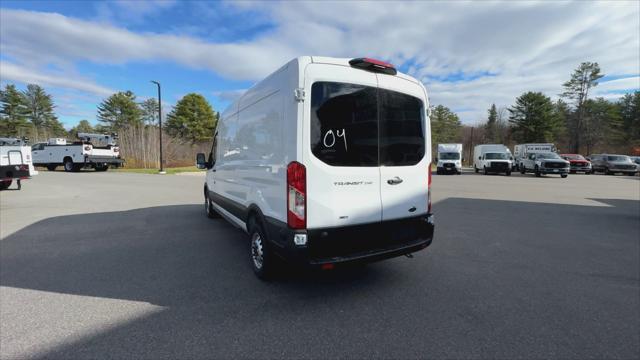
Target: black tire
[(564, 176), (607, 172), (102, 167), (52, 167), (4, 184), (261, 258), (508, 173), (208, 207), (485, 170), (523, 169), (476, 169), (69, 166), (537, 171)]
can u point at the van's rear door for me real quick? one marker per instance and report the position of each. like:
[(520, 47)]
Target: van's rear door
[(340, 147), (404, 150)]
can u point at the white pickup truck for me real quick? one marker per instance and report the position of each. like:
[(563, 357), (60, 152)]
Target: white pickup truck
[(15, 162), (95, 151)]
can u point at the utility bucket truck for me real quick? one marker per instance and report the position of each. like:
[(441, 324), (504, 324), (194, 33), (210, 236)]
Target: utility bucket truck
[(97, 151), (15, 162)]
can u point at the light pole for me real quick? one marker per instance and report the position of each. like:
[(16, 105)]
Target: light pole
[(160, 123)]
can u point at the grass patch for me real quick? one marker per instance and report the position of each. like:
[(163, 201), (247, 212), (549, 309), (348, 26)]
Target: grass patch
[(172, 170)]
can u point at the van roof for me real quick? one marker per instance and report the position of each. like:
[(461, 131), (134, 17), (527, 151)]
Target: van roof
[(266, 87)]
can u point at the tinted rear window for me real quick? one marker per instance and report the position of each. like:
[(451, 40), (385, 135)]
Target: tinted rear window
[(355, 125), (401, 129)]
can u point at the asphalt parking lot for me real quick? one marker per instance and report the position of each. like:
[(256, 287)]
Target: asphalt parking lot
[(114, 265)]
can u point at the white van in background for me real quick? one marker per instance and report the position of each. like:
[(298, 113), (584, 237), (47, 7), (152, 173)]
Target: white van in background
[(492, 158), (521, 152), (449, 159), (324, 162)]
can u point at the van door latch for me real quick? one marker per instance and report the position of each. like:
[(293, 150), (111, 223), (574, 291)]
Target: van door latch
[(299, 94), (395, 181)]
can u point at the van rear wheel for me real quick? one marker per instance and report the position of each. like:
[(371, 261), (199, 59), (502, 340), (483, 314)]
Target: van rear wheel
[(262, 259)]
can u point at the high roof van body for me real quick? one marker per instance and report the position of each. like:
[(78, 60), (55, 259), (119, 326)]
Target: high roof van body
[(325, 162)]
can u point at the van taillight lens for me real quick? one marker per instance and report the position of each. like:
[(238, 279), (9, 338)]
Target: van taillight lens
[(87, 148), (296, 195), (116, 149), (429, 191)]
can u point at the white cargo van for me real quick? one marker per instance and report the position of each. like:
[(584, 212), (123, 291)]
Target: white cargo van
[(449, 159), (324, 162), (492, 158), (522, 152)]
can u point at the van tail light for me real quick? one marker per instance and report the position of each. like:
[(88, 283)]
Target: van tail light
[(116, 149), (87, 148), (296, 195), (429, 191)]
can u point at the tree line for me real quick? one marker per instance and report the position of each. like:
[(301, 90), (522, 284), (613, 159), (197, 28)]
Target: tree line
[(576, 122), (190, 123), (23, 113)]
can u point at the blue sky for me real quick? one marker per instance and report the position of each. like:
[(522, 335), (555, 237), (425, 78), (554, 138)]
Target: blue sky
[(468, 54)]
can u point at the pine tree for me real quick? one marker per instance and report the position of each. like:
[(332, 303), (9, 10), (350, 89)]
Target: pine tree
[(119, 111), (445, 125), (149, 110), (584, 78), (192, 119), (13, 112), (534, 119), (40, 111), (490, 128)]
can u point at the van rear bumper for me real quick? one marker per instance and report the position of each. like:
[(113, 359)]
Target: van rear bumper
[(358, 243)]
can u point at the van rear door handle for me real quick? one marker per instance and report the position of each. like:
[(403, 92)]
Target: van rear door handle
[(395, 181)]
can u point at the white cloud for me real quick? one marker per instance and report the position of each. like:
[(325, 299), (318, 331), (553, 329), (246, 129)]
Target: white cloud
[(13, 72), (524, 45)]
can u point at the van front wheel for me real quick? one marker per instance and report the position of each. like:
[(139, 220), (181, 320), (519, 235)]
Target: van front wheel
[(262, 260)]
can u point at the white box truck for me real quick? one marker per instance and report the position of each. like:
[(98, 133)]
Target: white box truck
[(523, 151), (449, 159), (324, 162), (97, 151), (492, 158)]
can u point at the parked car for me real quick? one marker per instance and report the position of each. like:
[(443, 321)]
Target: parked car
[(636, 160), (577, 163), (325, 162), (545, 163), (610, 164)]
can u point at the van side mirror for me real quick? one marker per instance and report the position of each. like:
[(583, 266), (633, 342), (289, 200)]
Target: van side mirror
[(479, 157), (201, 161)]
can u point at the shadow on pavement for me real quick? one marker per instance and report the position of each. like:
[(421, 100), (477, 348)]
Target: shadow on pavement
[(502, 279)]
